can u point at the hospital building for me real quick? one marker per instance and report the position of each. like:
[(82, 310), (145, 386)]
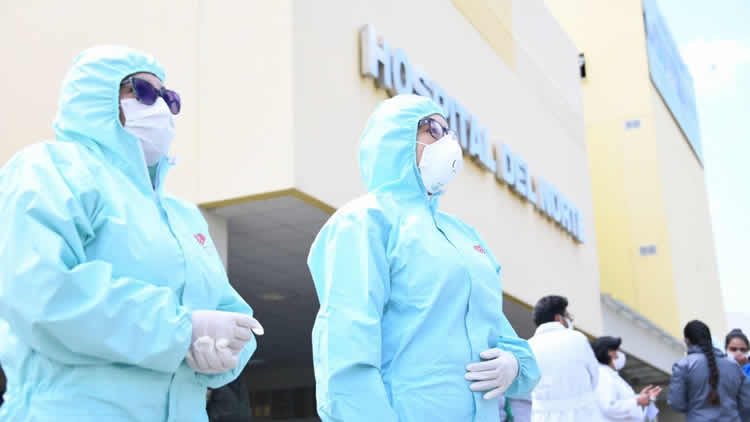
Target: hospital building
[(583, 167)]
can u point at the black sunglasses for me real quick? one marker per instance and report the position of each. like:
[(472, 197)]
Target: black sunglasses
[(436, 130), (147, 94)]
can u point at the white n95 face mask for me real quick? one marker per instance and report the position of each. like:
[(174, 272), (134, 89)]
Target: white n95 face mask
[(620, 361), (440, 163), (153, 125)]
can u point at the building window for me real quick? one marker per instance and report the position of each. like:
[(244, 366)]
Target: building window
[(648, 250), (632, 124)]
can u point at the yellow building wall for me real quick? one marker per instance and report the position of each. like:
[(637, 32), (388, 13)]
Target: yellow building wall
[(689, 221), (494, 20), (632, 201)]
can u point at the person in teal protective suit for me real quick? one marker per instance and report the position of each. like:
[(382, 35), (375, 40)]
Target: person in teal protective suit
[(113, 299), (410, 326)]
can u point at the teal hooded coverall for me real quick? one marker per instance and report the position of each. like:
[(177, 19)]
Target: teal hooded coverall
[(409, 295), (100, 268)]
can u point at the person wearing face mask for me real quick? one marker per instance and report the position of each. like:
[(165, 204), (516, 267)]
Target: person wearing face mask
[(570, 371), (117, 303), (410, 326), (737, 347), (617, 400), (705, 385)]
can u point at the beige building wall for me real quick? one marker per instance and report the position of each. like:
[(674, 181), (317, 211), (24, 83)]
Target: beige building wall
[(532, 105), (245, 98), (40, 39), (274, 100), (230, 62)]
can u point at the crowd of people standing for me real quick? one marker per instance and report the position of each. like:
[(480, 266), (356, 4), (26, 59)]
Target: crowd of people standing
[(581, 380)]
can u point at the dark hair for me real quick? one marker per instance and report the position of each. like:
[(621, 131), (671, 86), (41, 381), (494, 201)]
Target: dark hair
[(699, 335), (603, 345), (547, 307), (736, 333)]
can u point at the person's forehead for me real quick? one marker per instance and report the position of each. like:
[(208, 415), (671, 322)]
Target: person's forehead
[(440, 119), (150, 77)]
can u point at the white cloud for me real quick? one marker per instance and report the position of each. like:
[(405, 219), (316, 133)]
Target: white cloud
[(714, 63)]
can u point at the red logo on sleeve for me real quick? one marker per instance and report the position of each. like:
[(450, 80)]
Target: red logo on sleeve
[(200, 238), (480, 249)]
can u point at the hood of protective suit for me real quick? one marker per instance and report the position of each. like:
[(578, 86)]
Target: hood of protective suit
[(89, 108), (387, 152), (392, 277)]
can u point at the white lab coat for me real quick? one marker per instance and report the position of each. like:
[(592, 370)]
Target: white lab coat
[(567, 390), (521, 408), (617, 398)]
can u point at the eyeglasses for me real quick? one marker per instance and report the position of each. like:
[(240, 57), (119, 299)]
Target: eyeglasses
[(436, 130), (147, 94)]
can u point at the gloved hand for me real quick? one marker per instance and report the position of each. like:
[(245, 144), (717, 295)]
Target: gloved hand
[(209, 357), (235, 328), (495, 373)]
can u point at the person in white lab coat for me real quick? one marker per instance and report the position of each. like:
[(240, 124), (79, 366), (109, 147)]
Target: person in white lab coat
[(617, 400), (566, 392)]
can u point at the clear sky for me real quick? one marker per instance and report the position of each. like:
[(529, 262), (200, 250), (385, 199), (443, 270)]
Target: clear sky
[(714, 41)]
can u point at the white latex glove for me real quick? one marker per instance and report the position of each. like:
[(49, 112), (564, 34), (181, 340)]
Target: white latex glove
[(495, 373), (209, 357), (237, 329)]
